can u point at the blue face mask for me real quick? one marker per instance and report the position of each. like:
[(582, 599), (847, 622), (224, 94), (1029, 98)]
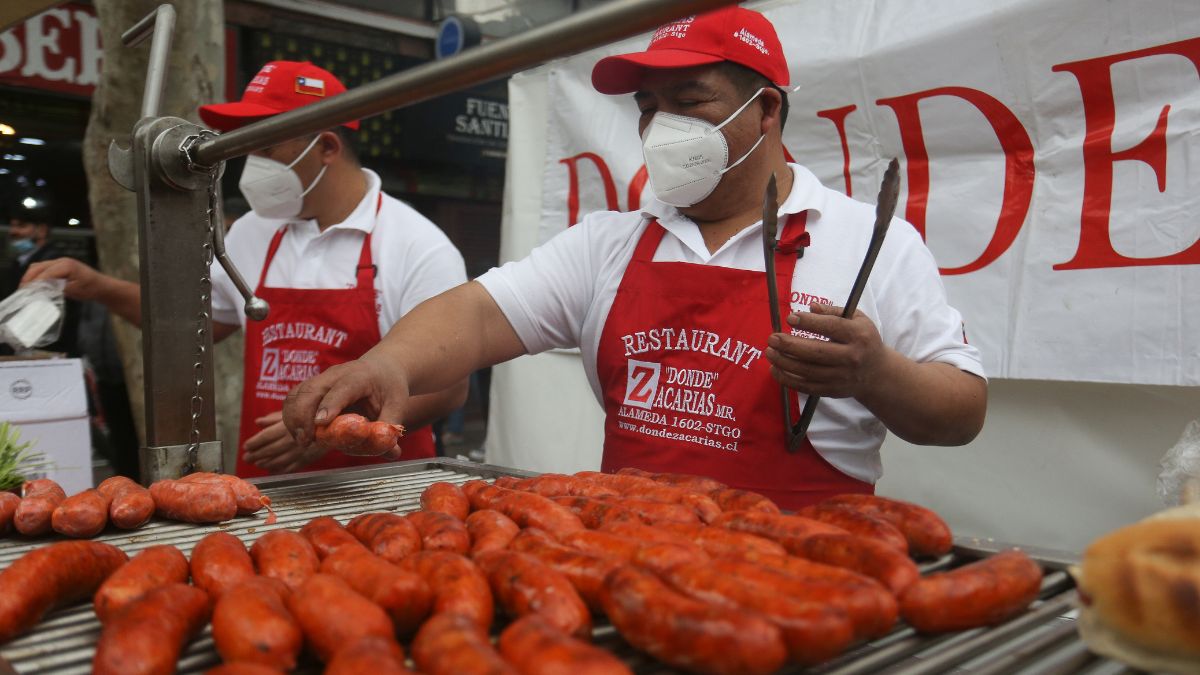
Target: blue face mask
[(20, 247)]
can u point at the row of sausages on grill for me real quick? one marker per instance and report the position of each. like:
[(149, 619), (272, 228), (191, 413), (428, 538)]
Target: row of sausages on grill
[(201, 497), (745, 592)]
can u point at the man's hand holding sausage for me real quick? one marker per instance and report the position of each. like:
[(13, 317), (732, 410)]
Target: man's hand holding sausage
[(374, 386), (925, 403)]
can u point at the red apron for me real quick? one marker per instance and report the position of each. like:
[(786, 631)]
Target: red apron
[(308, 331), (687, 388)]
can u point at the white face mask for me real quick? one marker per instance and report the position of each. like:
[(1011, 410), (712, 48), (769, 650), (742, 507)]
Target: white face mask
[(686, 157), (272, 188)]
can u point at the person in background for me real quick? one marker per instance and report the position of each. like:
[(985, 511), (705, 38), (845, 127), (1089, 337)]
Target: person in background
[(338, 260), (29, 243)]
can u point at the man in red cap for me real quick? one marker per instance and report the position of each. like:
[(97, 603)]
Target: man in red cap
[(338, 261), (665, 303)]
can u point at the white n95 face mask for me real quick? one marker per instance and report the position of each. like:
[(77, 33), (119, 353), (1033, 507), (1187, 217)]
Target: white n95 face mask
[(272, 188), (686, 156)]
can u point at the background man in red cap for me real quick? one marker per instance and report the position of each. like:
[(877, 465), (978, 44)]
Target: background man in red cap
[(666, 304), (338, 260)]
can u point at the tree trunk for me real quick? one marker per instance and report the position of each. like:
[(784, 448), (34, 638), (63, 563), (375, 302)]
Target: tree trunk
[(195, 75)]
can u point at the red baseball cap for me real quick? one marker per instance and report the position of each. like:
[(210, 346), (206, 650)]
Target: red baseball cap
[(732, 34), (278, 87)]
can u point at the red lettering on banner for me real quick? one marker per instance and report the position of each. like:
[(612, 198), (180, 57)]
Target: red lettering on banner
[(58, 50), (838, 117), (1099, 110), (1018, 166), (610, 188)]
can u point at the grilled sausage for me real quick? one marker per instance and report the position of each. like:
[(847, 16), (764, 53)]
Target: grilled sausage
[(327, 535), (441, 531), (39, 498), (49, 577), (490, 531), (8, 508), (446, 498), (870, 607), (82, 515), (481, 493), (251, 624), (368, 656), (532, 510), (730, 499), (646, 489), (595, 513), (649, 533), (131, 504), (194, 502), (220, 562), (403, 594), (560, 485), (535, 647), (154, 567), (249, 499), (585, 571), (458, 585), (718, 541), (926, 532), (523, 584), (655, 513), (683, 480), (604, 544), (983, 593), (286, 556), (786, 530), (813, 632), (452, 644), (857, 523), (148, 635), (333, 614), (880, 561), (243, 668), (388, 535), (356, 435), (688, 633)]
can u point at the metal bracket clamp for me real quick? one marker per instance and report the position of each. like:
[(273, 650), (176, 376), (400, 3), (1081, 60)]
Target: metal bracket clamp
[(172, 461)]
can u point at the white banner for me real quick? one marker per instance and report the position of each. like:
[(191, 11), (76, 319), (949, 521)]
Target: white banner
[(1049, 149)]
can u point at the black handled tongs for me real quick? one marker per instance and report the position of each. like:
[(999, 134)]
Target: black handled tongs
[(885, 208)]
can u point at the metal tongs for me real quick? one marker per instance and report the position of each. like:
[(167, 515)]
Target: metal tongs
[(885, 208)]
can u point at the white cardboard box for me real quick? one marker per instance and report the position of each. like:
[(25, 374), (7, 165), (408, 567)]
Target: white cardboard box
[(47, 400)]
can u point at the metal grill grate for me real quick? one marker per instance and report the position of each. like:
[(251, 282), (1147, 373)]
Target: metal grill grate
[(1041, 641)]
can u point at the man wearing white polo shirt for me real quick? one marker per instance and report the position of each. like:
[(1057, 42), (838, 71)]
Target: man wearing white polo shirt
[(338, 260), (667, 303)]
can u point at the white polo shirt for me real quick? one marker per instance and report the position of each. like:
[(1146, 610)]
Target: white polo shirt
[(414, 259), (561, 294)]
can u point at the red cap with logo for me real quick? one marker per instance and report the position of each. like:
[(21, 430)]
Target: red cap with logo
[(278, 87), (732, 34)]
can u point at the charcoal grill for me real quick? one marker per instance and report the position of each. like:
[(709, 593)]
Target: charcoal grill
[(1041, 641)]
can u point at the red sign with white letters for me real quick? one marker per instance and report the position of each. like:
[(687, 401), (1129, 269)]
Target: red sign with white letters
[(58, 50)]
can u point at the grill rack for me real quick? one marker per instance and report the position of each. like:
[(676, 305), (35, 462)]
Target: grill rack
[(1041, 641)]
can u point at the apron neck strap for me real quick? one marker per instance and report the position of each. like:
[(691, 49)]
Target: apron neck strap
[(364, 273)]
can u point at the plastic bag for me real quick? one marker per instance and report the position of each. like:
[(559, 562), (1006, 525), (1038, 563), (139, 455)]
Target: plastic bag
[(32, 317), (1179, 482)]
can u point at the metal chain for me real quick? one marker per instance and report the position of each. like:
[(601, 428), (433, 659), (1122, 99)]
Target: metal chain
[(203, 322)]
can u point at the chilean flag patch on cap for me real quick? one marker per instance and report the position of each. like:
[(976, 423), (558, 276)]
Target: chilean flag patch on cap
[(310, 85)]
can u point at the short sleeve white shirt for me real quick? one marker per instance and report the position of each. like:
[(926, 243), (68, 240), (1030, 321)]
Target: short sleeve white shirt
[(560, 295), (414, 259)]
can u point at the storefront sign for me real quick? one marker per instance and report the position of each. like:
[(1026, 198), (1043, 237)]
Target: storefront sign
[(58, 50), (466, 126), (1048, 151)]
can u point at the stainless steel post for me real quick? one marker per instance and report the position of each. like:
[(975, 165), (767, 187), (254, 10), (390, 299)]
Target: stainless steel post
[(581, 31), (175, 253), (163, 22)]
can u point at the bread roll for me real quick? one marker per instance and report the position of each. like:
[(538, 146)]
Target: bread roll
[(1140, 591)]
